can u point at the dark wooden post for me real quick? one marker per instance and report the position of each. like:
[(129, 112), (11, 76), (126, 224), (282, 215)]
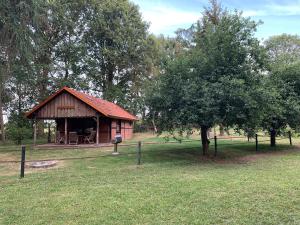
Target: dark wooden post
[(216, 146), (256, 142), (290, 138), (115, 148), (22, 173), (97, 130), (49, 132), (66, 131), (139, 153)]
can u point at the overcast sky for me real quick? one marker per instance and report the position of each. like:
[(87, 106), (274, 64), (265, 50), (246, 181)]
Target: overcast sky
[(166, 16)]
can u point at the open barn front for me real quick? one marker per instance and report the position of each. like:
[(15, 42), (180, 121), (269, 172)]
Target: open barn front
[(83, 131), (82, 119)]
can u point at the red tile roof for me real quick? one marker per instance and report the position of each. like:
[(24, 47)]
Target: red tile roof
[(104, 107)]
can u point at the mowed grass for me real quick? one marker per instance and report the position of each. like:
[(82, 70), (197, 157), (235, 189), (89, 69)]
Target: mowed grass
[(174, 185)]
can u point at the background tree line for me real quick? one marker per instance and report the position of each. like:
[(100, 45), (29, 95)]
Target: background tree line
[(215, 73)]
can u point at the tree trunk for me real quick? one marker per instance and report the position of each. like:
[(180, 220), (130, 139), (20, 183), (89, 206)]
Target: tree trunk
[(204, 139), (41, 128), (273, 137), (1, 118), (154, 126), (109, 83), (1, 114), (222, 132)]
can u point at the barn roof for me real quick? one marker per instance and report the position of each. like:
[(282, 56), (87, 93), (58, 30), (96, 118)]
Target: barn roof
[(104, 107)]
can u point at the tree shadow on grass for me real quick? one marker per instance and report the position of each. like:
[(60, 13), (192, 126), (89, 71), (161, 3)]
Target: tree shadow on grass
[(226, 154)]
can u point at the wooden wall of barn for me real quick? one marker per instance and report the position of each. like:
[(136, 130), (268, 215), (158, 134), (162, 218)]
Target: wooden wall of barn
[(105, 130), (126, 129), (65, 105)]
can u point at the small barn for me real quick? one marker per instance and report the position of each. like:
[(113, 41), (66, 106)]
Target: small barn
[(83, 119)]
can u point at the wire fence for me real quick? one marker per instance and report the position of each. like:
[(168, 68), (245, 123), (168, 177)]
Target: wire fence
[(218, 142)]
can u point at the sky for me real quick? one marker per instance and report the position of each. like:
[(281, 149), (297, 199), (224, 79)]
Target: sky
[(166, 16)]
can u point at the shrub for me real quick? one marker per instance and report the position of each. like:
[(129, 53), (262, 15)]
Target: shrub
[(18, 128)]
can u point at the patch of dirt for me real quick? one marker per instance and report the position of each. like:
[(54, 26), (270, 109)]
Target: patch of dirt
[(251, 158), (13, 169), (59, 164)]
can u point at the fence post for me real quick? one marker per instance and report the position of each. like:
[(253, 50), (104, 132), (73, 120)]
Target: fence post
[(256, 142), (290, 138), (23, 162), (139, 153), (216, 146)]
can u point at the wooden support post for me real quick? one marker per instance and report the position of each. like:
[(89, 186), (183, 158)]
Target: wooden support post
[(139, 153), (22, 172), (97, 130), (256, 142), (35, 131), (290, 138), (49, 133), (66, 131), (216, 146)]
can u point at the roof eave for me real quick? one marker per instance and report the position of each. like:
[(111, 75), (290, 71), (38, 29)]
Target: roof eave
[(123, 118)]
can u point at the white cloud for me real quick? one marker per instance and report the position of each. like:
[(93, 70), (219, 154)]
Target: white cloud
[(251, 13), (163, 18), (274, 9), (290, 9)]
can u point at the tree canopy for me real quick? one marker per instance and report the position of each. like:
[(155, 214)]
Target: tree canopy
[(218, 80), (214, 73)]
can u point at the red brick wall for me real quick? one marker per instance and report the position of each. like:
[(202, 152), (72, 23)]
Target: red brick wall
[(113, 129), (128, 129)]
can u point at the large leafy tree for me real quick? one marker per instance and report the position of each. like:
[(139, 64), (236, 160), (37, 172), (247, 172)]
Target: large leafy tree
[(16, 43), (59, 29), (283, 49), (217, 81), (39, 50), (283, 80), (100, 46), (118, 57)]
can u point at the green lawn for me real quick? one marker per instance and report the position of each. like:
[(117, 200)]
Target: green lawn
[(174, 185)]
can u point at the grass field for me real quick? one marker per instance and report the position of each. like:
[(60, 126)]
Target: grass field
[(174, 185)]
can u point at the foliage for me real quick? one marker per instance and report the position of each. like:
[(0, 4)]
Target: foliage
[(16, 46), (18, 128), (118, 57), (100, 46), (283, 49), (215, 72), (284, 82), (216, 81)]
